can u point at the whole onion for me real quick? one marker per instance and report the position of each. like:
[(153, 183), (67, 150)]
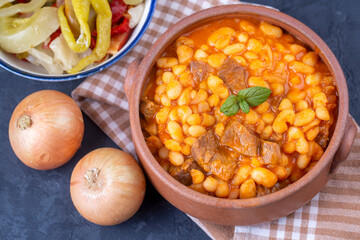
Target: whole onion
[(107, 186), (46, 129)]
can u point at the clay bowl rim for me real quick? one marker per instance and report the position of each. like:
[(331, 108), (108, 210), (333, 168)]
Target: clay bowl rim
[(284, 21)]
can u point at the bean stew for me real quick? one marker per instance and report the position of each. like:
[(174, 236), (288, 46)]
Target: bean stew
[(240, 155)]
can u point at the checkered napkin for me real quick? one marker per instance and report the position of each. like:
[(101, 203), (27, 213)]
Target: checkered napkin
[(332, 214)]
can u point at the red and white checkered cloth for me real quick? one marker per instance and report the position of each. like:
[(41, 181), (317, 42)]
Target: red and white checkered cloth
[(334, 213)]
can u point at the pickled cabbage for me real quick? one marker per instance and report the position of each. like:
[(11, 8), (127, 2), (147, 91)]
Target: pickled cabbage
[(39, 56), (135, 13), (20, 7), (19, 35)]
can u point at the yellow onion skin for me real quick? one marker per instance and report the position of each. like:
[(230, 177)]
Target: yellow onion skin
[(107, 186), (46, 129)]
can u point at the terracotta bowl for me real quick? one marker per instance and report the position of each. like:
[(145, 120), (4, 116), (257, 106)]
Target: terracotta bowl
[(241, 211)]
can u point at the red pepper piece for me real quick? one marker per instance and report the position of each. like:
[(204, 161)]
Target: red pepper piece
[(121, 28), (118, 7), (52, 37), (118, 41), (93, 42)]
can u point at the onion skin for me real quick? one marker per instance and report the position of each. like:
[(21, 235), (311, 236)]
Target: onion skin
[(114, 193), (46, 129)]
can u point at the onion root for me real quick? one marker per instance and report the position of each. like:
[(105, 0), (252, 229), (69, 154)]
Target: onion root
[(24, 122), (91, 176)]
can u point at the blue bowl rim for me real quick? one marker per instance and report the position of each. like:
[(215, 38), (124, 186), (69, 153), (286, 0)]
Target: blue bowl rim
[(86, 73)]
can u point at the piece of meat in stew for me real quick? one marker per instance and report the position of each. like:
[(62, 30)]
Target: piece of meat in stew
[(239, 138), (182, 173), (224, 163), (214, 158), (200, 70), (204, 149), (148, 108), (233, 75), (270, 152)]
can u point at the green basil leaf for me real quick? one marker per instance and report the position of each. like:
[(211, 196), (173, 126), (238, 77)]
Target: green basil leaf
[(244, 106), (230, 107), (254, 96)]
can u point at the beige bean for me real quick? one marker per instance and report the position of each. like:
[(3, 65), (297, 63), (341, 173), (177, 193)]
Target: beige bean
[(300, 67), (301, 105), (219, 129), (185, 53), (304, 117), (302, 146), (185, 97), (163, 153), (322, 113), (254, 45), (184, 112), (172, 145), (222, 190), (166, 62), (221, 32), (285, 104), (243, 37), (295, 95), (310, 59), (200, 55), (270, 30), (319, 99), (167, 77), (200, 96), (176, 158), (286, 116), (197, 130), (248, 189), (197, 176), (207, 120), (248, 26), (234, 48), (263, 176), (303, 161), (210, 184), (162, 115), (257, 81), (173, 89), (216, 86), (175, 131), (313, 79), (190, 140), (178, 69), (312, 133), (242, 174), (216, 60), (184, 41)]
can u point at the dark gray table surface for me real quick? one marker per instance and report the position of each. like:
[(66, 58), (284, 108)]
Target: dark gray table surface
[(37, 204)]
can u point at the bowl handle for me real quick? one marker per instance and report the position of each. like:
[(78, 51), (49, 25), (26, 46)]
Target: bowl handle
[(345, 146), (130, 77)]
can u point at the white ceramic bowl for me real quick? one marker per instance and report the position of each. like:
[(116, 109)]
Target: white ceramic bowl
[(25, 69)]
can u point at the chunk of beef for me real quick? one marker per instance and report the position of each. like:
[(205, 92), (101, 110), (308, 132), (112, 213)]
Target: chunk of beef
[(200, 70), (233, 75), (270, 152), (148, 108), (213, 158), (224, 163), (182, 173), (204, 149), (239, 138), (323, 137)]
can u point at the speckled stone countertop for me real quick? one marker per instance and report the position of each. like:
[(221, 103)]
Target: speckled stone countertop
[(37, 204)]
